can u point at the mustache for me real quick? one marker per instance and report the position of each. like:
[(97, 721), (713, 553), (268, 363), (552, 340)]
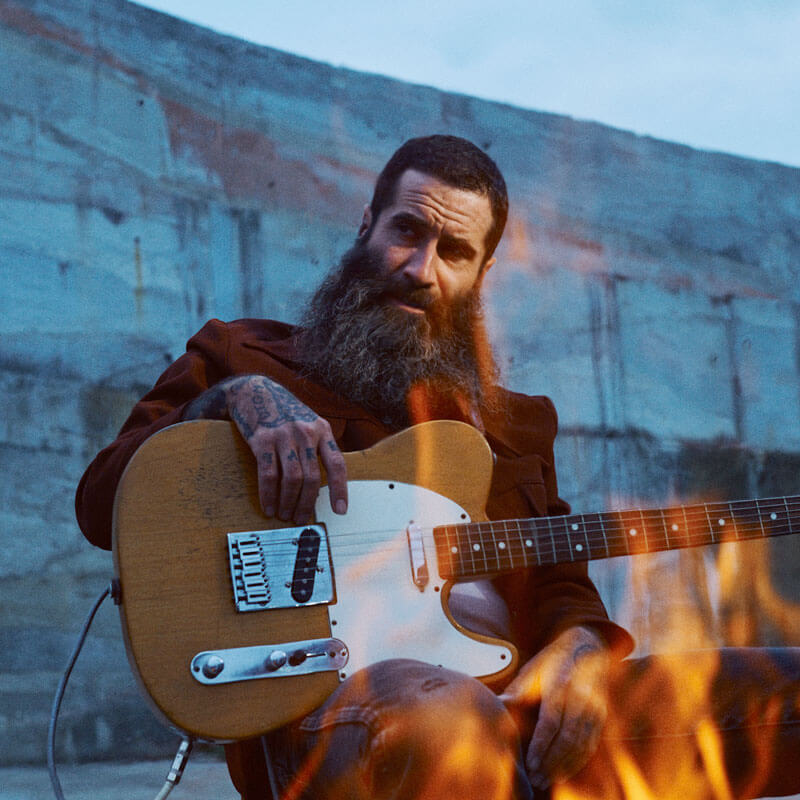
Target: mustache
[(417, 297), (364, 268)]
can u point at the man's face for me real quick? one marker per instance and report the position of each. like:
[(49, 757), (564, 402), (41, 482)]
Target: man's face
[(430, 241)]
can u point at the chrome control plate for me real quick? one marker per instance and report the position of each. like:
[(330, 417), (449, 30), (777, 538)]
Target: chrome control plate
[(235, 664)]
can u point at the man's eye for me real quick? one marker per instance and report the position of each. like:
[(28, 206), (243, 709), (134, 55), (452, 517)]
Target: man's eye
[(454, 253)]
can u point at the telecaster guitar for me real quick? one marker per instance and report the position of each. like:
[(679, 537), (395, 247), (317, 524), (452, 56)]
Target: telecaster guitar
[(236, 624)]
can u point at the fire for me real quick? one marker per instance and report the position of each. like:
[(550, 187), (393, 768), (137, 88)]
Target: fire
[(666, 735)]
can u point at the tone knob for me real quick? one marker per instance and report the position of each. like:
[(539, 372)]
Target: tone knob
[(276, 659)]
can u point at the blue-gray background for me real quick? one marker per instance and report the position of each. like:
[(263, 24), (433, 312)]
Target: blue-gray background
[(153, 174)]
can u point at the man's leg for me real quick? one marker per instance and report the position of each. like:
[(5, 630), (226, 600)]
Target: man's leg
[(403, 729), (708, 724)]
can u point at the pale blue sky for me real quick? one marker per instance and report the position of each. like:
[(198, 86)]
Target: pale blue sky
[(715, 74)]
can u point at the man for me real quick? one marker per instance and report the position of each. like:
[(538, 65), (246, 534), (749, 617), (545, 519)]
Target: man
[(393, 337)]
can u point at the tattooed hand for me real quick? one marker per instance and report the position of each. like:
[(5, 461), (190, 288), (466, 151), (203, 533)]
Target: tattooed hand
[(288, 440), (568, 681)]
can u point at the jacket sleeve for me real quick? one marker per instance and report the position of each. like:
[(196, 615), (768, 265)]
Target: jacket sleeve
[(545, 601), (203, 365)]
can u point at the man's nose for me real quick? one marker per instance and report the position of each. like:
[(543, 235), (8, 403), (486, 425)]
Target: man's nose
[(420, 269)]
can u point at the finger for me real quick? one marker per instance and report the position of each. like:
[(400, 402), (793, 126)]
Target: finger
[(545, 731), (575, 761), (290, 484), (570, 748), (333, 461), (268, 474), (312, 479)]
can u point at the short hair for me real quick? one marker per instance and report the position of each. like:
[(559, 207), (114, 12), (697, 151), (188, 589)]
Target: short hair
[(455, 161)]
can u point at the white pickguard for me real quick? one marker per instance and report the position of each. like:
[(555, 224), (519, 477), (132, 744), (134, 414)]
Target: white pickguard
[(379, 612)]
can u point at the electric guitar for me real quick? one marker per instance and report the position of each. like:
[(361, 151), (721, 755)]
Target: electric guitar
[(236, 624)]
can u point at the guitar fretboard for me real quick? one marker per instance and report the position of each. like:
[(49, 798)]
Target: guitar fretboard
[(481, 549)]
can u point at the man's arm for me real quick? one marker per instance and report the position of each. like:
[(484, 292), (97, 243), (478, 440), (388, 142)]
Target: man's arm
[(287, 438), (568, 680), (198, 373)]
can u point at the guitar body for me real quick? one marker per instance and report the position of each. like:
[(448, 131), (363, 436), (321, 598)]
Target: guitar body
[(192, 483)]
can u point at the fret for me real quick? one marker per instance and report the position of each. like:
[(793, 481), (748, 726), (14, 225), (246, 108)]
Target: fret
[(686, 528), (562, 538), (583, 549), (603, 530), (594, 527), (644, 532), (736, 527), (665, 528), (710, 526), (496, 548), (760, 518), (534, 539), (505, 546), (549, 521), (788, 515)]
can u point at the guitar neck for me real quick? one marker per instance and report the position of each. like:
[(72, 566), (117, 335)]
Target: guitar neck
[(481, 549)]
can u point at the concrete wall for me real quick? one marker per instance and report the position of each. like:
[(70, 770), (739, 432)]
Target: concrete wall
[(154, 174)]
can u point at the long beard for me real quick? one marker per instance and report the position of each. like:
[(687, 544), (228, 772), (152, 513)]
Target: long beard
[(402, 367)]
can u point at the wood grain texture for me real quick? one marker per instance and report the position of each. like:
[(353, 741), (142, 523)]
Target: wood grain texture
[(188, 486)]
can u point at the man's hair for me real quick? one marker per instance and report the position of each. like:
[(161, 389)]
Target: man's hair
[(454, 161)]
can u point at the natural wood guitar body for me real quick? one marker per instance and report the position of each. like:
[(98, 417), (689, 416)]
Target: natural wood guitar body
[(416, 498), (184, 490)]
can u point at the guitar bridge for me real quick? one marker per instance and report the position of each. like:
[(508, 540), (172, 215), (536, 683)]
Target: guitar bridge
[(281, 568)]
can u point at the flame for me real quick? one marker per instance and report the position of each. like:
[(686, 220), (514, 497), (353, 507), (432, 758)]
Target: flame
[(662, 740), (686, 605)]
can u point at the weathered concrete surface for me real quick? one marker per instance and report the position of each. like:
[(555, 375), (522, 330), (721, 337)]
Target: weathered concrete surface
[(154, 174)]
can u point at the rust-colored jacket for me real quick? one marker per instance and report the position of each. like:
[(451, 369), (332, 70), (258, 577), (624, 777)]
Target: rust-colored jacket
[(543, 601)]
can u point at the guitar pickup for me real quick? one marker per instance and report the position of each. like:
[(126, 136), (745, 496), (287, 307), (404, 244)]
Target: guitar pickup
[(281, 568)]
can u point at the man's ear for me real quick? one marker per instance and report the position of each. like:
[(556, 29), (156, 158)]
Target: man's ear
[(366, 221), (484, 269)]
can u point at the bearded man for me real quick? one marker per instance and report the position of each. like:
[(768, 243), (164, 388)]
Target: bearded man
[(393, 337)]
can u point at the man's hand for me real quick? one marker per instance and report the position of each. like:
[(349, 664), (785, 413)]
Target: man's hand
[(568, 679), (288, 441)]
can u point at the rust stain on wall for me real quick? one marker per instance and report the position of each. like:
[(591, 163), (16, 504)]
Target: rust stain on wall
[(25, 21), (248, 163)]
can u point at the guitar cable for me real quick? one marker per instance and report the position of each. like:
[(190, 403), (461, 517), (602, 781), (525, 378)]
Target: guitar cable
[(184, 749)]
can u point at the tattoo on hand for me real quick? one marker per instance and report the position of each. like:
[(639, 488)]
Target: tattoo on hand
[(581, 650), (274, 405), (244, 425)]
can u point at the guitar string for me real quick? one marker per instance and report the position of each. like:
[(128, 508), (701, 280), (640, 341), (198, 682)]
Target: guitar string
[(613, 532), (609, 522), (612, 522)]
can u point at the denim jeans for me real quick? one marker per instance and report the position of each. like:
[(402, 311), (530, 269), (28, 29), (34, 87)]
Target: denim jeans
[(704, 724)]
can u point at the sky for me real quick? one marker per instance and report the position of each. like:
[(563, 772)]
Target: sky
[(718, 75)]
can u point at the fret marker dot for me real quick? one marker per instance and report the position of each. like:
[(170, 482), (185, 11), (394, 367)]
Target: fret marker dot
[(721, 521), (674, 526), (476, 547), (528, 543), (453, 549), (579, 547), (633, 531), (574, 526), (501, 545), (773, 516)]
